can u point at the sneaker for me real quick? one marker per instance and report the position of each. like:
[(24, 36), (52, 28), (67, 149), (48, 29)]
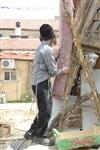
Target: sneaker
[(43, 141), (29, 135)]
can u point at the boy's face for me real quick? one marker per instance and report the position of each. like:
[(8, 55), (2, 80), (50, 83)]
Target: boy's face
[(53, 41)]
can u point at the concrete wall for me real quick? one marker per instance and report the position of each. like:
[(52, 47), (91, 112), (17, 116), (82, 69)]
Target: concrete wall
[(30, 33), (14, 90)]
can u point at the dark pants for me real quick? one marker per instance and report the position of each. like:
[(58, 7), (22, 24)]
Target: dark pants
[(44, 103)]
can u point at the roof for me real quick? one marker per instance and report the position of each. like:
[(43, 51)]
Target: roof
[(19, 44), (17, 56), (28, 24), (18, 48)]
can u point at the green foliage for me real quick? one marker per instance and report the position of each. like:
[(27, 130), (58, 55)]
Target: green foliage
[(26, 98)]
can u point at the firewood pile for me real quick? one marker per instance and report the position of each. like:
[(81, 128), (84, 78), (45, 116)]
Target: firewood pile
[(85, 15)]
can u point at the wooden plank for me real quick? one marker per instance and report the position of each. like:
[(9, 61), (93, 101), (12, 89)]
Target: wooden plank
[(97, 16), (65, 52), (97, 66), (95, 26), (90, 17), (91, 43), (83, 12)]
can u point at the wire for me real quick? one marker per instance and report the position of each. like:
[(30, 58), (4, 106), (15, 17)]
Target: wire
[(24, 120)]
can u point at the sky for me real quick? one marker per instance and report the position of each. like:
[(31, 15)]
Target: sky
[(29, 9)]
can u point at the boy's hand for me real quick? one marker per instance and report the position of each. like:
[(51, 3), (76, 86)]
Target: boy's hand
[(66, 70)]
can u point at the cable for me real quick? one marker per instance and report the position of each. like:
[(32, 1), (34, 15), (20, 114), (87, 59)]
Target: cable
[(24, 120)]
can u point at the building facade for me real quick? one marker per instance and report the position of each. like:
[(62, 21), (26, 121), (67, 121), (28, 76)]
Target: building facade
[(16, 56)]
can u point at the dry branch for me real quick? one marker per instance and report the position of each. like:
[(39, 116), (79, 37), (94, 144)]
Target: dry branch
[(69, 112), (77, 59)]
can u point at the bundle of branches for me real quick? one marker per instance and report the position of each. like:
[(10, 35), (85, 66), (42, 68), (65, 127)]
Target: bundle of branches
[(69, 112), (77, 59)]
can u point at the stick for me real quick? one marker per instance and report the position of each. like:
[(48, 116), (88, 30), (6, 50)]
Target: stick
[(20, 145)]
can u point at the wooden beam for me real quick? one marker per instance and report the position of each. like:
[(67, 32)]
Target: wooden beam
[(91, 43), (97, 17), (95, 26), (90, 16), (85, 9)]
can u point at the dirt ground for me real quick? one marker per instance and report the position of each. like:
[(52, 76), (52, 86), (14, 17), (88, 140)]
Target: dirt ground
[(19, 116)]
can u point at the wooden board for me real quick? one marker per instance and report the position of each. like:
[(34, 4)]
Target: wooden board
[(90, 33), (65, 52)]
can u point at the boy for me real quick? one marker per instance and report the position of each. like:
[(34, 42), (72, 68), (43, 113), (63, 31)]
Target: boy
[(44, 68)]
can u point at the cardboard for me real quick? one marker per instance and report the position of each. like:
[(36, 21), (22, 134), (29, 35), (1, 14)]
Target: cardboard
[(77, 139)]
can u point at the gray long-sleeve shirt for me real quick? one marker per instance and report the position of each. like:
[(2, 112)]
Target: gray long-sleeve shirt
[(44, 64)]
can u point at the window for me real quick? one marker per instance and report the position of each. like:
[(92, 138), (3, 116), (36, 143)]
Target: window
[(10, 76), (13, 76), (7, 76)]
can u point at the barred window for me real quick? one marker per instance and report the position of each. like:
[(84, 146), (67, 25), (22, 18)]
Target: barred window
[(10, 75)]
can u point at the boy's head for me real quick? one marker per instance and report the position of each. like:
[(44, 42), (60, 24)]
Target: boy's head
[(46, 32)]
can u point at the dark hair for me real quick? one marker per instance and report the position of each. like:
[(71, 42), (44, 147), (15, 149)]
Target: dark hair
[(17, 24), (46, 32)]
